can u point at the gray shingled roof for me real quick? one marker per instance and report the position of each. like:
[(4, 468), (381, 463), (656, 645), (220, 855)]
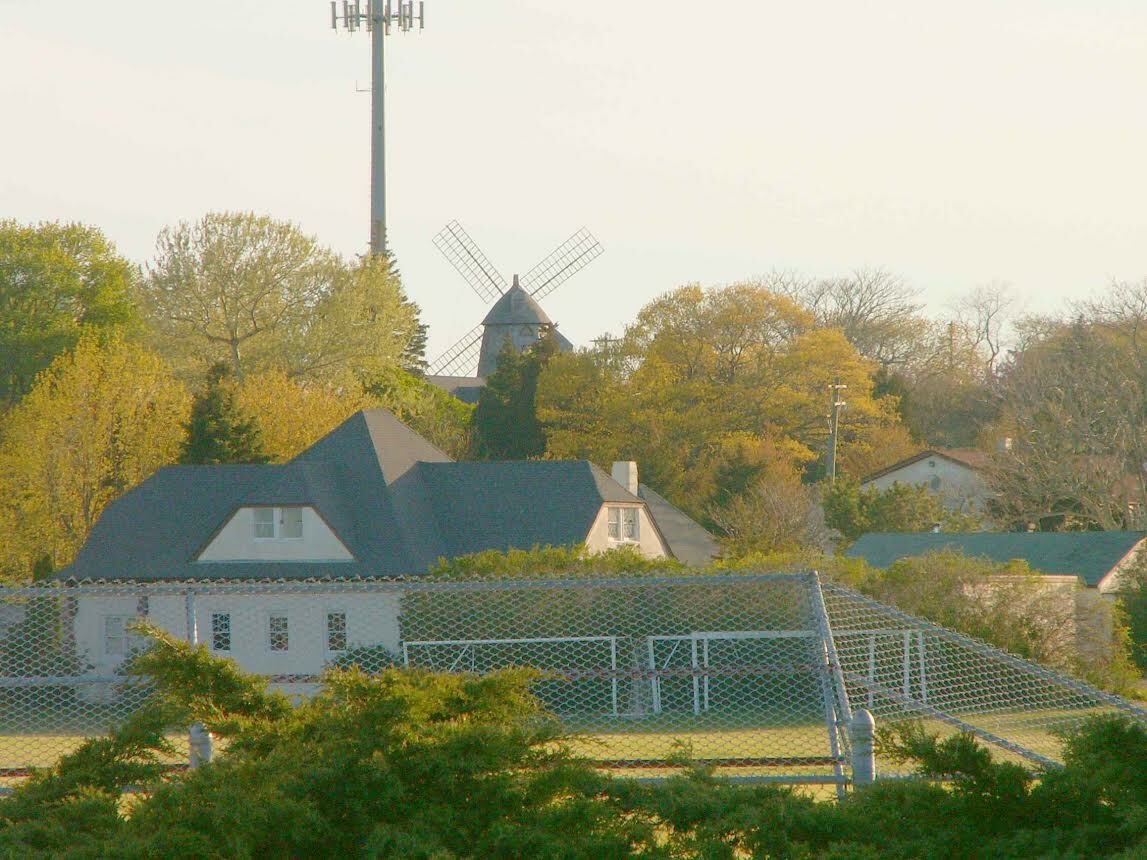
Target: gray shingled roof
[(1088, 555), (396, 502), (689, 542), (517, 504), (516, 307)]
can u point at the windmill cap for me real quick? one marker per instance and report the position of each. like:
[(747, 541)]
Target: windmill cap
[(516, 307)]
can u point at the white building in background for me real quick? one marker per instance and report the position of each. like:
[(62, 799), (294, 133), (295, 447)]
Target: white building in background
[(371, 500), (954, 474)]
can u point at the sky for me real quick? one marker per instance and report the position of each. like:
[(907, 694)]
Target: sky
[(953, 144)]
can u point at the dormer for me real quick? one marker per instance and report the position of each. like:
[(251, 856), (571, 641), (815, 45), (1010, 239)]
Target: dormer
[(275, 533)]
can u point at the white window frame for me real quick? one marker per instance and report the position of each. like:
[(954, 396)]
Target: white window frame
[(278, 525), (327, 613), (271, 617), (129, 642), (616, 525), (230, 631)]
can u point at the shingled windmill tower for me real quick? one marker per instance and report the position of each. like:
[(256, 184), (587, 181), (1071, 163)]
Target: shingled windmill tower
[(515, 314)]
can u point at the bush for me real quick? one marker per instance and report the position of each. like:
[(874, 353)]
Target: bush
[(417, 765)]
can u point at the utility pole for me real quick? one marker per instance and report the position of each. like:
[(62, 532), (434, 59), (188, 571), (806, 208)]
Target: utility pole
[(834, 425), (377, 18)]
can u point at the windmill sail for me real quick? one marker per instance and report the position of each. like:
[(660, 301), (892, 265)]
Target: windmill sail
[(566, 260), (468, 260), (462, 358)]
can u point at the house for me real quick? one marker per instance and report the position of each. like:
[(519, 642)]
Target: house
[(371, 499), (1085, 568), (1098, 560), (955, 474)]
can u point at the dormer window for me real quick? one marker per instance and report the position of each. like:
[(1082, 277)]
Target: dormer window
[(623, 524), (278, 523)]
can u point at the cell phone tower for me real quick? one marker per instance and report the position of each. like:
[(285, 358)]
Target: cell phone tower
[(377, 17)]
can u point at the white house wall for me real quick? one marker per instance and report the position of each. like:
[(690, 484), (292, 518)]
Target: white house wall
[(649, 543), (959, 486), (236, 541), (372, 619)]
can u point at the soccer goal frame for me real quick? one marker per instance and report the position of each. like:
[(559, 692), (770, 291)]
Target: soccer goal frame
[(467, 648), (913, 660)]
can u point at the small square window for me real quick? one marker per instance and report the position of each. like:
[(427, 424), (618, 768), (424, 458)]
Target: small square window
[(278, 633), (220, 631), (336, 631), (264, 522), (118, 640), (622, 524)]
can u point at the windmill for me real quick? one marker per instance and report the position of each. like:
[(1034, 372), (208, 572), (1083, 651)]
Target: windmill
[(515, 312)]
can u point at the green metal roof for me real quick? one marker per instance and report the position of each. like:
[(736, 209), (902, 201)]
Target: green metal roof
[(1088, 555)]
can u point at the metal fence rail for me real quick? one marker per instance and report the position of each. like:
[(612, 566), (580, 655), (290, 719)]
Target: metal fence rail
[(757, 675)]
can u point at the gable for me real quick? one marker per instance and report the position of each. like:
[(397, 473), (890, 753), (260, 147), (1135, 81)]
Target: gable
[(240, 540)]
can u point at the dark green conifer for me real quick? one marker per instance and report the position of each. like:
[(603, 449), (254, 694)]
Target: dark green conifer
[(218, 431)]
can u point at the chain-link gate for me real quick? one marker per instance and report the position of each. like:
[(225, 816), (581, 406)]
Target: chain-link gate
[(755, 675)]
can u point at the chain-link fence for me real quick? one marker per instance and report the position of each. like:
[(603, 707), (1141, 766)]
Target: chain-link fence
[(755, 675)]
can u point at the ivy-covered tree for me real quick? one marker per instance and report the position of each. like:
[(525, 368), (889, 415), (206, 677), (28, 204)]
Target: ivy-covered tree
[(505, 425), (219, 431)]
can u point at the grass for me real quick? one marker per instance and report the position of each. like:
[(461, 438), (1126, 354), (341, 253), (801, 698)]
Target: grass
[(655, 738)]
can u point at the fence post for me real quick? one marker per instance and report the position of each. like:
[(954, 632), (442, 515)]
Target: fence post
[(199, 745), (192, 624), (860, 735)]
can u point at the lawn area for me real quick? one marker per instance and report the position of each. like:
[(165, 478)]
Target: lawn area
[(639, 746)]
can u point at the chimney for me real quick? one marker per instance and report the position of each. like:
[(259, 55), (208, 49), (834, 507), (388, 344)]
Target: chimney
[(625, 473)]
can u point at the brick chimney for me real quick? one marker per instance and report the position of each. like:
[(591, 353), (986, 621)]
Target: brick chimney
[(625, 473)]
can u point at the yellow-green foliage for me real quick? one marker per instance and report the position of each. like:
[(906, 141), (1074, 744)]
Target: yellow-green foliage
[(100, 419), (552, 562)]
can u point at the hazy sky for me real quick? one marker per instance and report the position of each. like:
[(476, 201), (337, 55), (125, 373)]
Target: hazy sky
[(955, 144)]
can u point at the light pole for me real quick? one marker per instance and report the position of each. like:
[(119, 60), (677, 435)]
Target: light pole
[(834, 427), (377, 16)]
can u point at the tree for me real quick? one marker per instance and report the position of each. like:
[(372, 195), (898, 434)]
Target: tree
[(776, 514), (293, 414), (982, 319), (100, 419), (703, 367), (425, 408), (1006, 605), (260, 294), (505, 423), (854, 510), (218, 431), (1073, 405), (56, 281), (875, 309)]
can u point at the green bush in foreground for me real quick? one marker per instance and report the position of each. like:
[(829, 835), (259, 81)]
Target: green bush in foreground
[(419, 765)]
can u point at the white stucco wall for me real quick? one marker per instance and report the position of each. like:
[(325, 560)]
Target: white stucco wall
[(236, 541), (649, 542), (372, 619), (959, 486)]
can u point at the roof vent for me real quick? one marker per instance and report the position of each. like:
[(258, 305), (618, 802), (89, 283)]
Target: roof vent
[(625, 473)]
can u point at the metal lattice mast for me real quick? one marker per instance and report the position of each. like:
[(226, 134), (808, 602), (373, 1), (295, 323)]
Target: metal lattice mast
[(377, 17)]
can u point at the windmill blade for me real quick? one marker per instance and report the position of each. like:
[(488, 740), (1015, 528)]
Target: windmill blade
[(469, 261), (462, 358), (566, 260)]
